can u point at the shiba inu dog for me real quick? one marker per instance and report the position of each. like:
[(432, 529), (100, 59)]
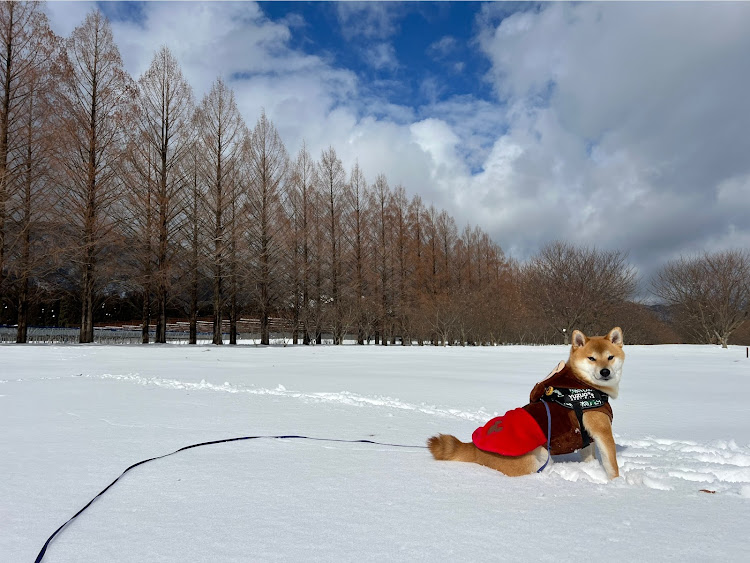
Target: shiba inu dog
[(572, 402)]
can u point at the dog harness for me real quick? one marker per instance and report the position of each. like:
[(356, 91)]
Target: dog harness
[(521, 430), (578, 400)]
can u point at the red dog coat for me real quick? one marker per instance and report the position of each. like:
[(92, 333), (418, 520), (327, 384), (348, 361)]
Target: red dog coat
[(523, 429), (514, 433)]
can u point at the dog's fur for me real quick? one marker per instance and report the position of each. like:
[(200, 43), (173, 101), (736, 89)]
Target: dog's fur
[(590, 358)]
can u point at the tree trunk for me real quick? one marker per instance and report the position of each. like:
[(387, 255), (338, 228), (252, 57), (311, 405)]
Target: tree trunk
[(146, 314), (23, 312), (265, 332), (86, 334), (233, 317), (217, 306), (4, 125)]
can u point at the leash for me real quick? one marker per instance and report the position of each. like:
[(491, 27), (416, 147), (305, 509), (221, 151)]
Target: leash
[(549, 436), (284, 437)]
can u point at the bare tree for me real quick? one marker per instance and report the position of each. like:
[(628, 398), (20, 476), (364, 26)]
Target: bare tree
[(711, 293), (26, 44), (137, 171), (357, 235), (194, 228), (402, 267), (165, 119), (35, 200), (578, 286), (380, 199), (267, 168), (221, 133), (300, 198), (416, 287), (94, 93), (235, 229), (332, 181)]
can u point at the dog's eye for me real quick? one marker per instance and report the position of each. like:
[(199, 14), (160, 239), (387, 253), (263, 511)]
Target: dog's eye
[(592, 358), (611, 358)]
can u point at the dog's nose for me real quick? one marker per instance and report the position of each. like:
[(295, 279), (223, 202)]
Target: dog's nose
[(604, 373)]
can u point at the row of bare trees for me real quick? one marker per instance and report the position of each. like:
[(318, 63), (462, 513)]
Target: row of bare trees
[(117, 189), (131, 188)]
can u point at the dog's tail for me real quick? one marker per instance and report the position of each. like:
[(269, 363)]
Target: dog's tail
[(447, 447)]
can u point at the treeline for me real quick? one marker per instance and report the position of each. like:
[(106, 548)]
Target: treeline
[(124, 198)]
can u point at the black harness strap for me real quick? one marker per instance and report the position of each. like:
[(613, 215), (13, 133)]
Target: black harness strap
[(585, 436), (577, 400)]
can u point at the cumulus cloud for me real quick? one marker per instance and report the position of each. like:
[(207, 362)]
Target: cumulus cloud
[(624, 127)]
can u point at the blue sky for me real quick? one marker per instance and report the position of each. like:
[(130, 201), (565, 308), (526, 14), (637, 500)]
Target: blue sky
[(618, 125), (410, 54)]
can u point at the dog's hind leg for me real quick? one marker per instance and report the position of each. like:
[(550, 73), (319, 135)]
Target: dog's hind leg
[(450, 448)]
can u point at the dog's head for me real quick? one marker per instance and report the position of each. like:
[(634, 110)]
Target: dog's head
[(598, 360)]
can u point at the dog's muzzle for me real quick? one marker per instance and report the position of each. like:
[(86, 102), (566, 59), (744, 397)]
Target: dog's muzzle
[(605, 373)]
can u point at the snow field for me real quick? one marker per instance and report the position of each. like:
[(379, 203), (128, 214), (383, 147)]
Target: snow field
[(74, 417)]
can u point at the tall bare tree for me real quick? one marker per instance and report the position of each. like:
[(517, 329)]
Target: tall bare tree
[(137, 171), (357, 234), (221, 131), (332, 179), (194, 229), (235, 230), (380, 200), (25, 50), (402, 265), (32, 214), (267, 162), (417, 283), (300, 198), (711, 293), (94, 94), (165, 119)]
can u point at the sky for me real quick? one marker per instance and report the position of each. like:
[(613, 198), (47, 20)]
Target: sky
[(615, 125)]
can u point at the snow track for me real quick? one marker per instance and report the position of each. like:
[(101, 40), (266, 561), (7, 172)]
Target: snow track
[(342, 397)]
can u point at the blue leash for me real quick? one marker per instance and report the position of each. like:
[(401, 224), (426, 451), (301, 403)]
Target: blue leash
[(286, 437), (549, 436)]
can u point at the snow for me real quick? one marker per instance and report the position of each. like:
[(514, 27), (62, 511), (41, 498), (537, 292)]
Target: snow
[(74, 417)]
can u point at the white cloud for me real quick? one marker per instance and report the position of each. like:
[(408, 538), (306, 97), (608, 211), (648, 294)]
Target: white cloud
[(369, 20), (381, 56), (443, 47), (628, 120)]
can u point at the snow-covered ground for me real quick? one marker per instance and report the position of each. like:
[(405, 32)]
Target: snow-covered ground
[(72, 418)]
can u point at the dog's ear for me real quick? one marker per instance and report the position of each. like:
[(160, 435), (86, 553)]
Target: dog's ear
[(615, 336), (579, 339)]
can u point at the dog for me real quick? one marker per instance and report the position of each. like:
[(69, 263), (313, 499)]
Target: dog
[(573, 401)]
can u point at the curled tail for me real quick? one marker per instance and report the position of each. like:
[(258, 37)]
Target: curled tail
[(447, 447)]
